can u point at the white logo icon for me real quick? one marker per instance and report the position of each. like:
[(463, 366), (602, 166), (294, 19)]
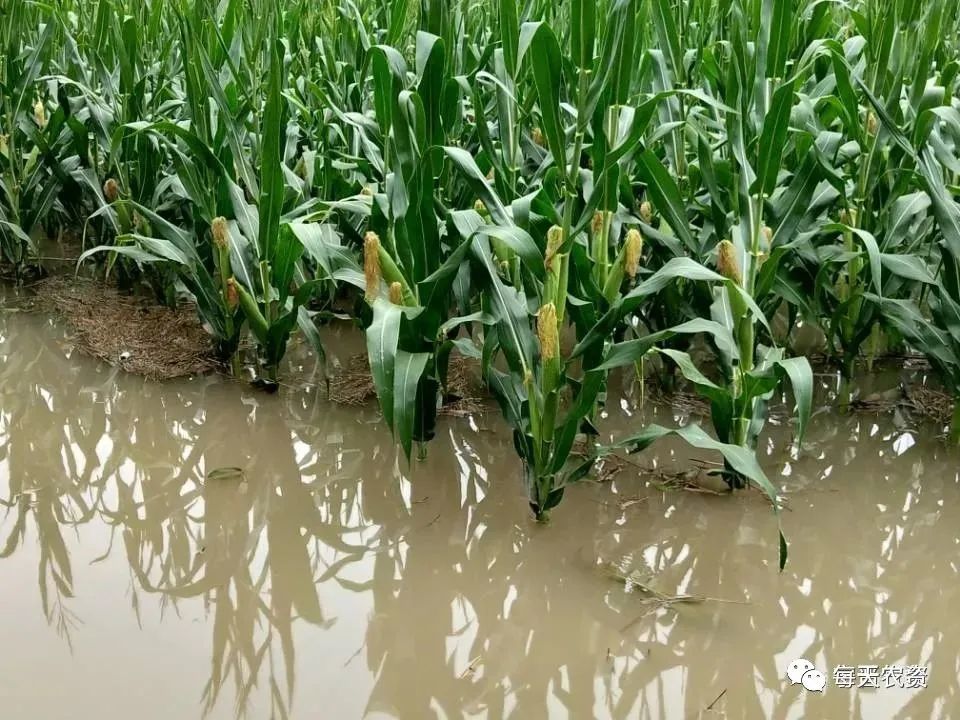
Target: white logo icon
[(803, 672), (814, 681), (797, 668)]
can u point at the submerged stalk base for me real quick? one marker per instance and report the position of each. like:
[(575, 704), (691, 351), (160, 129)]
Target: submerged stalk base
[(955, 423)]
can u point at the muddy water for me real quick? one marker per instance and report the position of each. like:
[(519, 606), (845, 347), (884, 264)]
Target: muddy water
[(141, 577)]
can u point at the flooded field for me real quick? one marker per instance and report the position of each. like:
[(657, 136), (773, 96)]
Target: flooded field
[(197, 549)]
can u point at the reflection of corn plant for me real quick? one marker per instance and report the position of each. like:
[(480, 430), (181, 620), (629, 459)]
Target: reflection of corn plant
[(238, 549), (48, 510), (44, 493)]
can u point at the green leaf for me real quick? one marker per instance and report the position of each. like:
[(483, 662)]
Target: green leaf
[(234, 128), (131, 251), (435, 289), (509, 34), (312, 335), (322, 243), (873, 254), (271, 155), (247, 215), (510, 308), (777, 22), (477, 317), (467, 348), (945, 209), (903, 215), (389, 76), (383, 336), (793, 205), (544, 50), (408, 369), (478, 182), (286, 255), (668, 35), (584, 403), (398, 18), (583, 30), (773, 140), (705, 387), (521, 243), (801, 378), (674, 269), (509, 394), (909, 267), (629, 352), (936, 343), (665, 193), (739, 459), (889, 124)]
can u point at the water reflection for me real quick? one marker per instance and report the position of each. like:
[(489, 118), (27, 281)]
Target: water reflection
[(324, 578)]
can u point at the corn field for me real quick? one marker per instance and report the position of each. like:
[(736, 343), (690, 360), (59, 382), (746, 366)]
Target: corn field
[(557, 190)]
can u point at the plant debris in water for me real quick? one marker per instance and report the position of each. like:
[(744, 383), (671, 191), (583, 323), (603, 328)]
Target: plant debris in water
[(684, 402), (127, 331), (918, 399)]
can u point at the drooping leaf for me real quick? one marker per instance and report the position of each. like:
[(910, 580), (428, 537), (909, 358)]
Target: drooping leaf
[(408, 369), (383, 336)]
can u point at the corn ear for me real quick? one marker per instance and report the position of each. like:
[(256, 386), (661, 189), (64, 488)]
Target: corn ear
[(111, 190), (232, 295), (727, 263), (40, 114), (627, 265), (396, 293), (633, 252), (558, 273), (596, 225), (387, 270), (258, 323), (371, 265), (646, 212), (547, 332), (221, 233)]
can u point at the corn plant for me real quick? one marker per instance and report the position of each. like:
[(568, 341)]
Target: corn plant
[(936, 333), (653, 176), (28, 187), (519, 274), (410, 272), (244, 262)]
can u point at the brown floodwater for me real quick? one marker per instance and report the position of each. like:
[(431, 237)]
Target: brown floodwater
[(142, 577)]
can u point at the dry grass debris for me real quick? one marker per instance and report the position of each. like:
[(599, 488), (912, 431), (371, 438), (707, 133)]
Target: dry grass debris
[(128, 331), (920, 401), (353, 385)]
